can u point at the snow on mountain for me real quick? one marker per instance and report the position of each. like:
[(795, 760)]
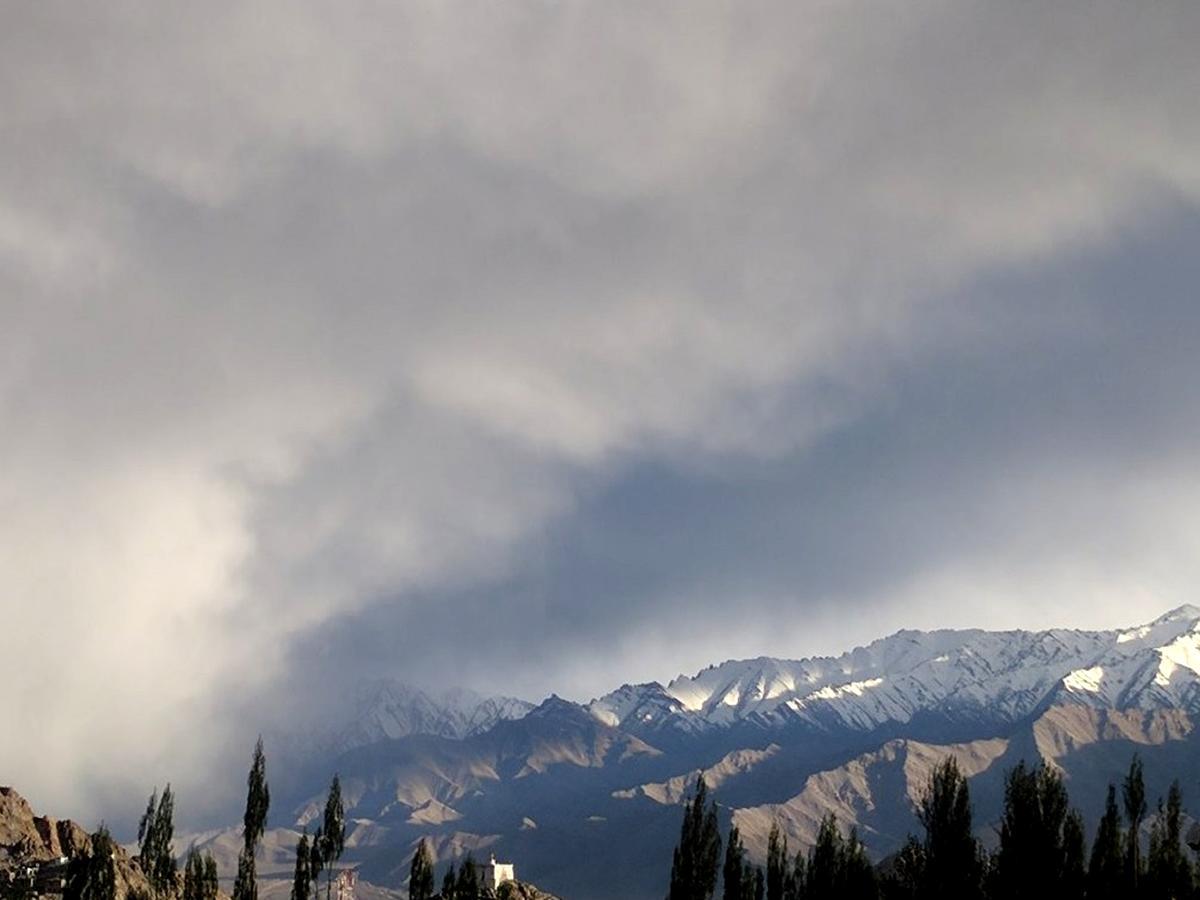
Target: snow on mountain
[(961, 675), (387, 709)]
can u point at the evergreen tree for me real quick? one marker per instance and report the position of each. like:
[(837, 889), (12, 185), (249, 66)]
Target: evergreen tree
[(1074, 871), (450, 884), (94, 877), (254, 822), (733, 872), (420, 877), (156, 831), (858, 878), (163, 866), (316, 861), (245, 884), (907, 873), (1032, 853), (777, 853), (1168, 873), (793, 888), (258, 798), (199, 876), (333, 832), (1133, 793), (824, 862), (469, 883), (696, 858), (953, 869), (302, 877), (1106, 865), (145, 831)]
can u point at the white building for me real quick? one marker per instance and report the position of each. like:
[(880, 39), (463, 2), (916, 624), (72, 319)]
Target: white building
[(495, 873)]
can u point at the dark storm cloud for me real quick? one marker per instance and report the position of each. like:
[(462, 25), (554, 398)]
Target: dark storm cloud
[(1024, 448), (330, 333)]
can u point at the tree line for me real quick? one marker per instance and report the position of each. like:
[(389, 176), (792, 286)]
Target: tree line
[(1042, 849), (94, 876)]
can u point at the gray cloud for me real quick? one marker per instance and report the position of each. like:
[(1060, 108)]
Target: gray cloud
[(325, 328)]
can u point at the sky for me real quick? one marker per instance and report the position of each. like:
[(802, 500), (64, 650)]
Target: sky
[(546, 346)]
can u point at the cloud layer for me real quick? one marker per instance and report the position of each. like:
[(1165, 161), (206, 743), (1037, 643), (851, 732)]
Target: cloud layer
[(334, 339)]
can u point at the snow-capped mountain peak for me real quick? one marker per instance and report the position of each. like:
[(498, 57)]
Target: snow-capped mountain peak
[(969, 674)]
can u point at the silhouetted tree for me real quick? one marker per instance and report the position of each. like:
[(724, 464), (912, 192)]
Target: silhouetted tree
[(1106, 865), (94, 877), (1032, 853), (733, 872), (156, 831), (907, 872), (258, 798), (420, 874), (469, 883), (254, 822), (696, 858), (1074, 868), (1168, 873), (953, 868), (450, 884), (199, 876), (245, 883), (316, 861), (333, 832), (301, 876), (1133, 793), (777, 863)]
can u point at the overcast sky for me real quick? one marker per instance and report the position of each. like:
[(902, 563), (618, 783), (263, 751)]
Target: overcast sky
[(543, 346)]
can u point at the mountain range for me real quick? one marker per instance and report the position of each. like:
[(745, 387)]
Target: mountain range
[(585, 797)]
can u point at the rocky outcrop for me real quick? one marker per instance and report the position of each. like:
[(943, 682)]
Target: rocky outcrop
[(28, 841)]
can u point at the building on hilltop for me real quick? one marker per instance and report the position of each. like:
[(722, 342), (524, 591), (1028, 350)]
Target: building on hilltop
[(345, 883), (496, 873)]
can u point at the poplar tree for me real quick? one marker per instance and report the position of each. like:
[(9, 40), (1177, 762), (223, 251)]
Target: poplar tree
[(469, 884), (254, 822), (733, 872), (333, 832), (316, 861), (199, 876), (1168, 874), (697, 856), (301, 876), (1033, 832), (1106, 866), (156, 831), (450, 884), (420, 878), (146, 827), (1074, 871), (1133, 793), (952, 865), (96, 877), (258, 798), (777, 853)]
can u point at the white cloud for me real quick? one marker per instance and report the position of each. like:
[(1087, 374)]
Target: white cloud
[(306, 305)]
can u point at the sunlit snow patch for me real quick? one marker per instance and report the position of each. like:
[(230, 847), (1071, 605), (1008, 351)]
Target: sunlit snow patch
[(1136, 635), (1084, 680), (1181, 653), (855, 687)]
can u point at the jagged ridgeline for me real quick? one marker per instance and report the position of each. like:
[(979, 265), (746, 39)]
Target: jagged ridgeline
[(587, 798)]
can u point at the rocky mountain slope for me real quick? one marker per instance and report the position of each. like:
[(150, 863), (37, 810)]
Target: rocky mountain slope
[(584, 798), (27, 841)]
